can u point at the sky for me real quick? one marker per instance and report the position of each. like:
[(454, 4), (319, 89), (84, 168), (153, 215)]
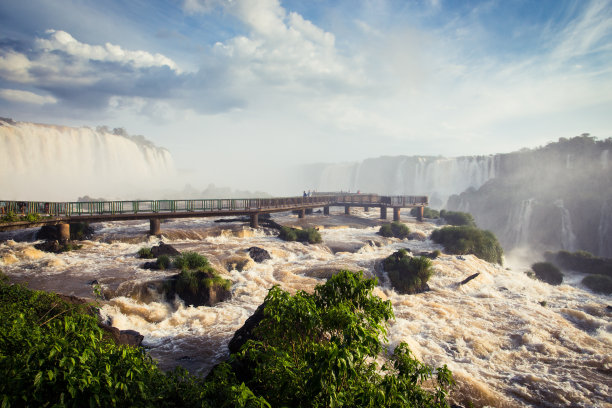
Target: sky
[(230, 86)]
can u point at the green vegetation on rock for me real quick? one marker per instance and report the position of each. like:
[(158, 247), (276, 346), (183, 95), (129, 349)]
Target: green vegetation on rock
[(322, 349), (469, 240), (598, 283), (458, 218), (408, 274), (190, 261), (310, 235), (395, 229), (547, 272), (54, 354), (581, 261), (145, 253)]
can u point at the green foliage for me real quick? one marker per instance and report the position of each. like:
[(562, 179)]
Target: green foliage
[(10, 217), (309, 235), (321, 350), (598, 283), (54, 354), (581, 261), (435, 254), (408, 274), (194, 281), (145, 253), (427, 212), (31, 217), (469, 240), (395, 229), (458, 218), (163, 262), (190, 261), (547, 272)]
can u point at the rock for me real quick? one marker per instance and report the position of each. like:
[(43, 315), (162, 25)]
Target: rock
[(245, 333), (164, 249), (204, 295), (122, 337), (49, 246), (609, 309), (259, 254), (150, 265), (469, 278), (48, 233), (238, 263)]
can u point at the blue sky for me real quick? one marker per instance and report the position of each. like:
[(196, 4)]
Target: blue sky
[(248, 84)]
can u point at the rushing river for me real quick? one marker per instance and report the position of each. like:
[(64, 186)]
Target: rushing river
[(504, 345)]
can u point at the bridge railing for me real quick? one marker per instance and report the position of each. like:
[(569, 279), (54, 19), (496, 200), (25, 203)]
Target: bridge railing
[(93, 208)]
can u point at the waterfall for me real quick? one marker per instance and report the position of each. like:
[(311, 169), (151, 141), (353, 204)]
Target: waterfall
[(604, 159), (519, 223), (56, 163), (568, 239), (604, 230), (437, 177)]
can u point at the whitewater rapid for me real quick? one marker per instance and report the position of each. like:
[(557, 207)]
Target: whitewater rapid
[(510, 341)]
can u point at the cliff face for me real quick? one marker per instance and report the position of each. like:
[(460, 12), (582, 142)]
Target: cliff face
[(555, 197)]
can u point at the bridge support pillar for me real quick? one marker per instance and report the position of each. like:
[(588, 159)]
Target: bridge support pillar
[(301, 213), (255, 220), (326, 210), (383, 213), (420, 213), (155, 226), (63, 231), (366, 209), (396, 213), (347, 209)]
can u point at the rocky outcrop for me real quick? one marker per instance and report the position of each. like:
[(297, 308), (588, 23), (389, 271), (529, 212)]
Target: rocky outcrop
[(245, 333), (198, 288), (164, 249), (469, 278), (259, 254), (122, 337)]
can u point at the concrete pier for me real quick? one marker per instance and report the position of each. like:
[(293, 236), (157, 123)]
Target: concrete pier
[(326, 210), (301, 213), (255, 220), (347, 209), (383, 213), (366, 209), (420, 213), (63, 231), (155, 226), (396, 213)]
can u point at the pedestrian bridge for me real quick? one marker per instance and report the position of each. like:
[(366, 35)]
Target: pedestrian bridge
[(16, 215)]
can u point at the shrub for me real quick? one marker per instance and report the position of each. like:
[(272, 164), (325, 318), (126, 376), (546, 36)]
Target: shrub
[(32, 217), (408, 274), (54, 354), (163, 262), (190, 260), (598, 283), (427, 212), (581, 261), (395, 229), (145, 253), (469, 240), (458, 218), (322, 349), (309, 235), (547, 272), (10, 217)]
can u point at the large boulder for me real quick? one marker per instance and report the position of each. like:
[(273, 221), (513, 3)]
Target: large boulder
[(164, 249), (122, 337), (245, 333), (259, 254), (198, 288)]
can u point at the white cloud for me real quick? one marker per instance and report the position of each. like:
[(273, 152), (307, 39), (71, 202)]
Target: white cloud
[(15, 95), (59, 40), (14, 66)]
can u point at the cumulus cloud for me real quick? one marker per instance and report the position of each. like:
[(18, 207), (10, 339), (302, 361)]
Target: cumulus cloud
[(16, 95), (59, 40)]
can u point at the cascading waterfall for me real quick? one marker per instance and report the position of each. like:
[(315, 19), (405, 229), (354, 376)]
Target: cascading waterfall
[(604, 159), (520, 222), (568, 239), (437, 177), (46, 162), (604, 230)]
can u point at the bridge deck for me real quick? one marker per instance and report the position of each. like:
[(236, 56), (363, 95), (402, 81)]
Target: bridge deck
[(97, 211)]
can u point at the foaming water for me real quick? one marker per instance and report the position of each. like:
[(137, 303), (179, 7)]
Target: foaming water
[(504, 345)]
